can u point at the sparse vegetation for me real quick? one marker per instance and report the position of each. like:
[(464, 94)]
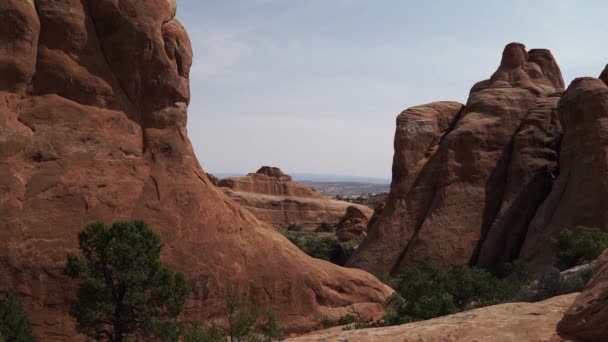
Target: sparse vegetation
[(14, 323), (245, 324), (428, 290), (126, 290), (321, 246), (576, 246), (294, 227), (325, 227), (552, 283)]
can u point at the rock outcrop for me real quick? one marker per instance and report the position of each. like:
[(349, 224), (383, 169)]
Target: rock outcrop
[(275, 198), (93, 100), (579, 194), (269, 181), (522, 322), (353, 225), (586, 318), (468, 180), (214, 180)]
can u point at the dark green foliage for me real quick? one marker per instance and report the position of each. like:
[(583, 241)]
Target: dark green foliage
[(325, 227), (125, 289), (575, 246), (551, 284), (250, 323), (321, 246), (347, 319), (14, 324), (427, 290), (211, 333), (294, 227), (245, 324)]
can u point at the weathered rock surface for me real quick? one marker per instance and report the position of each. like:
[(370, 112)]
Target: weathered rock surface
[(214, 180), (586, 318), (580, 192), (505, 322), (467, 180), (93, 99), (353, 225), (275, 198)]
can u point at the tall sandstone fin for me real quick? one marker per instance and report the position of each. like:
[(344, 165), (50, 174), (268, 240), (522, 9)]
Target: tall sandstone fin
[(93, 102), (460, 197), (580, 192)]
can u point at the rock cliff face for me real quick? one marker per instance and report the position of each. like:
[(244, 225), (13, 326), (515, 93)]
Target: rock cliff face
[(93, 99), (467, 180), (275, 198), (586, 318)]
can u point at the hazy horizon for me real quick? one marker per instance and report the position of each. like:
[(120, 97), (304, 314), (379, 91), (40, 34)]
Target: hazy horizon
[(315, 86)]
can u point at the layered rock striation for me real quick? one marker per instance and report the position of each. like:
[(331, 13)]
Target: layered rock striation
[(93, 109), (275, 198)]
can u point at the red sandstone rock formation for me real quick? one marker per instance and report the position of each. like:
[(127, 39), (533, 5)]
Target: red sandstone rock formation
[(467, 181), (275, 198), (353, 225), (580, 192), (586, 318), (93, 98), (269, 181), (214, 180)]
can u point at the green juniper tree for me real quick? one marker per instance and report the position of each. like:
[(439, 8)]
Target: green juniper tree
[(126, 291), (14, 324)]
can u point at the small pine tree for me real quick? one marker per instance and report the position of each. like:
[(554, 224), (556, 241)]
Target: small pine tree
[(14, 324), (126, 290)]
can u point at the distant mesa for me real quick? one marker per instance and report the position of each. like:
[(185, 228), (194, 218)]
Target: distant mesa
[(273, 197)]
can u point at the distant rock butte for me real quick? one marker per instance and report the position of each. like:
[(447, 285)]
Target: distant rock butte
[(275, 198), (269, 181), (469, 180), (353, 225), (521, 322), (93, 99)]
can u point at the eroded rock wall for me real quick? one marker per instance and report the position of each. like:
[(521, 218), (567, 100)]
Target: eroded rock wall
[(93, 110)]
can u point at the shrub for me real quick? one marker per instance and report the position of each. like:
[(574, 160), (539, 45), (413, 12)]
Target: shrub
[(325, 227), (552, 283), (211, 333), (321, 247), (14, 324), (245, 323), (427, 290), (250, 322), (294, 227), (575, 246), (126, 290)]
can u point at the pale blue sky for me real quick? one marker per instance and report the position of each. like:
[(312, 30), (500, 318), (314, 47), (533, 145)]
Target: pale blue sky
[(315, 85)]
